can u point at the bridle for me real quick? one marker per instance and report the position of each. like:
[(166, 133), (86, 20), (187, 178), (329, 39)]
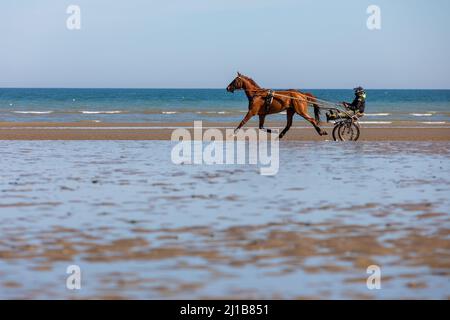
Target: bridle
[(233, 86)]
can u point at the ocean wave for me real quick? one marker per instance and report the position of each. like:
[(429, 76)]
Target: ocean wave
[(101, 112), (213, 112), (33, 112), (421, 114), (377, 114), (216, 112), (375, 122), (434, 122), (90, 121), (169, 112)]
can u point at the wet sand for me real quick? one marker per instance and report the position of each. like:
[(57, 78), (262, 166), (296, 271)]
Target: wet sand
[(141, 227), (162, 131)]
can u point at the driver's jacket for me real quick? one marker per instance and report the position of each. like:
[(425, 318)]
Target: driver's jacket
[(359, 104)]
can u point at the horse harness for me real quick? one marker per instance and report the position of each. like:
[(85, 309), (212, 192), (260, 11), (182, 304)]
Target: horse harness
[(268, 100)]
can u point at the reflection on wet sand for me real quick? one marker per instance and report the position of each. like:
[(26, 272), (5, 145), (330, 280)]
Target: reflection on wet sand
[(141, 227)]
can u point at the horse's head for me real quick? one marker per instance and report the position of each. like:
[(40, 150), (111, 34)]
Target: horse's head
[(236, 84)]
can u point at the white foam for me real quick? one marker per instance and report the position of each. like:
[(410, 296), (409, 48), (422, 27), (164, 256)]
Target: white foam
[(101, 112), (169, 112), (213, 112), (434, 122), (176, 127), (33, 112), (375, 122), (421, 114), (377, 114), (94, 121)]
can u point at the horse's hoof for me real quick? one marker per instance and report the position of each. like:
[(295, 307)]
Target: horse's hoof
[(324, 133)]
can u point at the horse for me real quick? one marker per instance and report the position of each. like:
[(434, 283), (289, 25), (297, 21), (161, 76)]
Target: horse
[(292, 101)]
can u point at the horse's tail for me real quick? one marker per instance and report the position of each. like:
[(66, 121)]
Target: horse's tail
[(312, 99)]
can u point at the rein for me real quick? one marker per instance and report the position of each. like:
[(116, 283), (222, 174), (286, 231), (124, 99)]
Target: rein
[(323, 104)]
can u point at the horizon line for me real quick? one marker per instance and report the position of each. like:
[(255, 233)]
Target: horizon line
[(211, 88)]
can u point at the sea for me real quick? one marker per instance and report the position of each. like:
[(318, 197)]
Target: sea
[(430, 107)]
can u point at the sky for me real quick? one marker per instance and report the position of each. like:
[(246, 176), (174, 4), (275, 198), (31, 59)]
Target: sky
[(202, 43)]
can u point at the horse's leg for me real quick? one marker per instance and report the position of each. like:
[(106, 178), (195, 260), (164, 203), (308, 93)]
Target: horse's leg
[(302, 109), (262, 117), (290, 115), (313, 101), (247, 117), (253, 110)]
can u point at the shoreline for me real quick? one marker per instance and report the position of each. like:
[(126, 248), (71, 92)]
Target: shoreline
[(163, 130)]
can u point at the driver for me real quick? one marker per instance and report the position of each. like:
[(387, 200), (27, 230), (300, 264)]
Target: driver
[(356, 107)]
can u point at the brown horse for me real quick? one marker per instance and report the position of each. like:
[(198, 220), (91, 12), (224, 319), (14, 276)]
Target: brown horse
[(292, 101)]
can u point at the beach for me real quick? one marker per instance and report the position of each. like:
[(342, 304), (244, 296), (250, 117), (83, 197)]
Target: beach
[(406, 131), (88, 179), (139, 226), (123, 175)]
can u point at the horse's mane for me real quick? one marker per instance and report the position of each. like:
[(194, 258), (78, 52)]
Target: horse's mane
[(251, 81)]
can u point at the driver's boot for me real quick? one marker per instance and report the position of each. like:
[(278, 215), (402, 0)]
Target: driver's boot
[(330, 117)]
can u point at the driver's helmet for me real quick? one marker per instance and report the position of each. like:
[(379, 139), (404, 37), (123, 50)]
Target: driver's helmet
[(359, 91)]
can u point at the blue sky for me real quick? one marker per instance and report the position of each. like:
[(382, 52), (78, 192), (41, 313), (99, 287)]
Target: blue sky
[(202, 43)]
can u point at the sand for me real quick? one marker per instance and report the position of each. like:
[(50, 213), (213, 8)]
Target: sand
[(163, 131), (142, 227)]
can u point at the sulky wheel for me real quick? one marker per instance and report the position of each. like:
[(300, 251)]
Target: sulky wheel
[(335, 131), (348, 131)]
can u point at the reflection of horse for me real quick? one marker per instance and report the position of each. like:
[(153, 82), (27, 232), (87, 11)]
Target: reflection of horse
[(262, 102)]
